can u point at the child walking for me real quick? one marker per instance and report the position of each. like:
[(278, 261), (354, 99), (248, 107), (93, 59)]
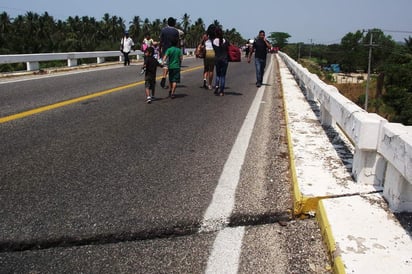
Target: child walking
[(174, 57), (150, 66)]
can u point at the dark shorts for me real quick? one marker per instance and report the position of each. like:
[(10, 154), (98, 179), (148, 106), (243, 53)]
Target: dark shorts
[(150, 84), (174, 75)]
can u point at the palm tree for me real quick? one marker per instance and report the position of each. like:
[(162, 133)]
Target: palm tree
[(135, 28), (5, 32), (185, 22)]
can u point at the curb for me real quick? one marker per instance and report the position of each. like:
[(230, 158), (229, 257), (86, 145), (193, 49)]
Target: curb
[(304, 205), (334, 253)]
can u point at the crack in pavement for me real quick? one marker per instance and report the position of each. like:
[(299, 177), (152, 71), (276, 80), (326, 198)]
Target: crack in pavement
[(182, 230)]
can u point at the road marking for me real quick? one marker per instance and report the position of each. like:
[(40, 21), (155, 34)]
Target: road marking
[(76, 100), (226, 251), (225, 255), (218, 213), (64, 103)]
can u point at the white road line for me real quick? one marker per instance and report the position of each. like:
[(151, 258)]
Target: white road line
[(227, 246), (226, 251), (218, 213)]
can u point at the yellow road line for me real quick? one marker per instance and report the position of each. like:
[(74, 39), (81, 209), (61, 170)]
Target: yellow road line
[(75, 100)]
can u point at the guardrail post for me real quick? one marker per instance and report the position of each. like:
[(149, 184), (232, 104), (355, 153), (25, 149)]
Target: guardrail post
[(368, 165), (396, 147), (100, 60), (397, 190), (32, 66), (71, 62)]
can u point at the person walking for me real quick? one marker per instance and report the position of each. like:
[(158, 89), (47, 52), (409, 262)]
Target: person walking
[(173, 56), (220, 45), (209, 59), (126, 46), (260, 47), (150, 66), (167, 35), (147, 42)]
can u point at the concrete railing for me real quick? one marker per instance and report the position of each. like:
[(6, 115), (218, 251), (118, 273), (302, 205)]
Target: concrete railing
[(383, 150), (32, 60)]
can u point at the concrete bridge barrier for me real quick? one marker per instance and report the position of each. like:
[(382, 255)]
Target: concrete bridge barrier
[(383, 151)]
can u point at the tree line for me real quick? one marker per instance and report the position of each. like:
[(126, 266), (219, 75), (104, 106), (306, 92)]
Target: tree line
[(34, 33)]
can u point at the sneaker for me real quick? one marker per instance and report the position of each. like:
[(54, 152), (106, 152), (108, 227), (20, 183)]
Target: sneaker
[(152, 98), (163, 82), (149, 100), (204, 83), (216, 90), (210, 87)]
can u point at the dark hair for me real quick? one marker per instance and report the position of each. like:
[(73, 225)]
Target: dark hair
[(211, 31), (219, 34), (171, 21), (150, 50)]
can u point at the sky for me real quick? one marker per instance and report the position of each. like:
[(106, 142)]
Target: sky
[(306, 21)]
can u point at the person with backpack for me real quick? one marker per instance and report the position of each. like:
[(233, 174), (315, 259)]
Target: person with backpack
[(260, 47)]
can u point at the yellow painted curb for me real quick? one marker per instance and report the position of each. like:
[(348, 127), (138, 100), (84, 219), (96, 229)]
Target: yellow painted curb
[(301, 204), (334, 252), (298, 200)]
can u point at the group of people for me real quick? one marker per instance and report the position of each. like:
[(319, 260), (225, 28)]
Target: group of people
[(170, 60), (215, 55), (168, 55)]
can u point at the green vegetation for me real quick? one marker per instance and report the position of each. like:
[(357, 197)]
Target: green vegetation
[(391, 66), (34, 33)]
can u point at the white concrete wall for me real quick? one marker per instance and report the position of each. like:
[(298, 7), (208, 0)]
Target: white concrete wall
[(383, 150)]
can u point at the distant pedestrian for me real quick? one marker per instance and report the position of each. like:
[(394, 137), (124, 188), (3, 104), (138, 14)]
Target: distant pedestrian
[(167, 34), (173, 57), (209, 59), (126, 46), (150, 66), (147, 42), (260, 47), (220, 46)]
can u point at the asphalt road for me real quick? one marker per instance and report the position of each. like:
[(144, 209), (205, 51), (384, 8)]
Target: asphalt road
[(109, 184)]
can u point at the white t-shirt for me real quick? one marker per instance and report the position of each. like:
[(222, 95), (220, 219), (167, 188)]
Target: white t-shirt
[(127, 44)]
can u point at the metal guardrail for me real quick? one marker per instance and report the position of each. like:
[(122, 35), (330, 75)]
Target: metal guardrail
[(33, 60)]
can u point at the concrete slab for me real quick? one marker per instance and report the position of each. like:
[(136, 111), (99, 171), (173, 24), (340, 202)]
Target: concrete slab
[(365, 236)]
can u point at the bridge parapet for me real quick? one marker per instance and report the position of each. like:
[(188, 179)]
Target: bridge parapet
[(383, 150), (33, 60)]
